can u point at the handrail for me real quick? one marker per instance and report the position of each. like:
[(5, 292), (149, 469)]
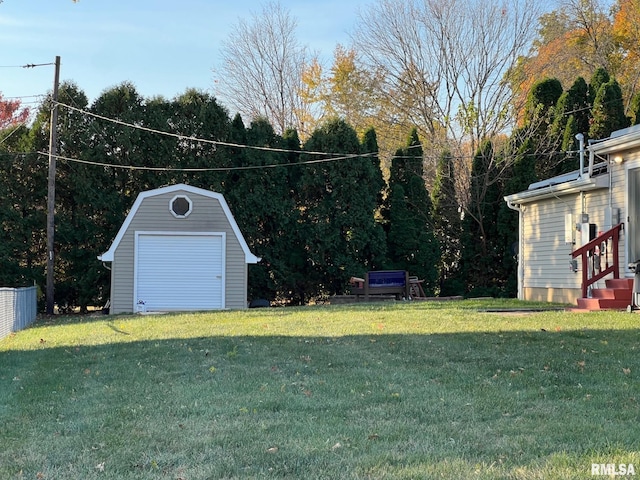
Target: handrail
[(588, 251)]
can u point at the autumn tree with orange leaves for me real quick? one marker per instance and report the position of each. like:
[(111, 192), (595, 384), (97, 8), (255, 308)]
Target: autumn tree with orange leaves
[(11, 113)]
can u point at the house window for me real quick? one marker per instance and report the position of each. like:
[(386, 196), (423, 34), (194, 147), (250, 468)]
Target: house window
[(180, 206)]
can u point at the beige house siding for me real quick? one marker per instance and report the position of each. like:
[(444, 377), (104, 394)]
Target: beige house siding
[(544, 259), (547, 257), (154, 215)]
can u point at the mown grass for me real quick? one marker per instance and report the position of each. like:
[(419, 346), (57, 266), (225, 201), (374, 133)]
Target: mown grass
[(411, 390)]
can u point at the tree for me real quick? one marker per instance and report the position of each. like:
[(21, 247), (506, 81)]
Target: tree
[(539, 117), (521, 174), (444, 63), (626, 33), (634, 109), (338, 206), (265, 210), (23, 188), (600, 77), (347, 92), (481, 259), (262, 68), (573, 40), (77, 243), (447, 227), (608, 111), (572, 116), (11, 114), (411, 241)]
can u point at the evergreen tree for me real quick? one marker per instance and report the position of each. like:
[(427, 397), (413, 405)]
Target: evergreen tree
[(338, 210), (542, 99), (375, 247), (411, 241), (260, 199), (447, 227), (522, 173), (79, 280), (481, 259), (539, 120), (634, 110), (569, 148), (192, 114), (572, 116), (599, 78), (23, 190), (608, 111), (292, 276)]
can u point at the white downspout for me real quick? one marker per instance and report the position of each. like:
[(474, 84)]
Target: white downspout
[(520, 274)]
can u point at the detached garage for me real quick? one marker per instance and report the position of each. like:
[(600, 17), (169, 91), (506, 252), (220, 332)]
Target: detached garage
[(179, 249)]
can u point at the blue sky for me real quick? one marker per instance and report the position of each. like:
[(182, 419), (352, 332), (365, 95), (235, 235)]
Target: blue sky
[(162, 46)]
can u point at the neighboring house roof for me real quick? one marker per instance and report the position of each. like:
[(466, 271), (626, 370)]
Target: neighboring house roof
[(108, 256)]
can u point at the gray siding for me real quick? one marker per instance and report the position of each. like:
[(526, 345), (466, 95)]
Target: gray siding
[(153, 215)]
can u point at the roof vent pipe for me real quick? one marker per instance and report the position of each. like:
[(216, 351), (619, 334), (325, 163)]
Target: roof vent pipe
[(580, 138)]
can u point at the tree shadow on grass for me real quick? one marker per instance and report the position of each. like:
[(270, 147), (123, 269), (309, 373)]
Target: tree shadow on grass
[(322, 407)]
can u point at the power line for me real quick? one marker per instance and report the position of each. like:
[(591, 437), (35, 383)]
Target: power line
[(28, 65), (202, 140), (33, 65), (209, 169), (251, 167), (19, 97)]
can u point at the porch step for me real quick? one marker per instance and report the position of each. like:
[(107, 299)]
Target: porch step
[(612, 293), (602, 304), (617, 295), (619, 283)]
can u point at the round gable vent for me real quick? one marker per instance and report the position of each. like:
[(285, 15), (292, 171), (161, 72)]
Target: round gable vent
[(180, 206)]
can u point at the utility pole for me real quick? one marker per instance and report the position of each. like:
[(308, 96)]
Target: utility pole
[(51, 191)]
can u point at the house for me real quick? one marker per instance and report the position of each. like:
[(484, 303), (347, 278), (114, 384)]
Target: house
[(179, 249), (579, 232)]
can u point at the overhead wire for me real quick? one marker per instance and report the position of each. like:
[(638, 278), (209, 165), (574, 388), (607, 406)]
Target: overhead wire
[(334, 156), (205, 169), (202, 140)]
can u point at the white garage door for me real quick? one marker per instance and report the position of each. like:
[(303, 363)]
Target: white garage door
[(179, 272)]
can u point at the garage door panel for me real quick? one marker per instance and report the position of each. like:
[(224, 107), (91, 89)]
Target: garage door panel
[(179, 272)]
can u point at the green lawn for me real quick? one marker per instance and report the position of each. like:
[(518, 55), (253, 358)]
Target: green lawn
[(377, 391)]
